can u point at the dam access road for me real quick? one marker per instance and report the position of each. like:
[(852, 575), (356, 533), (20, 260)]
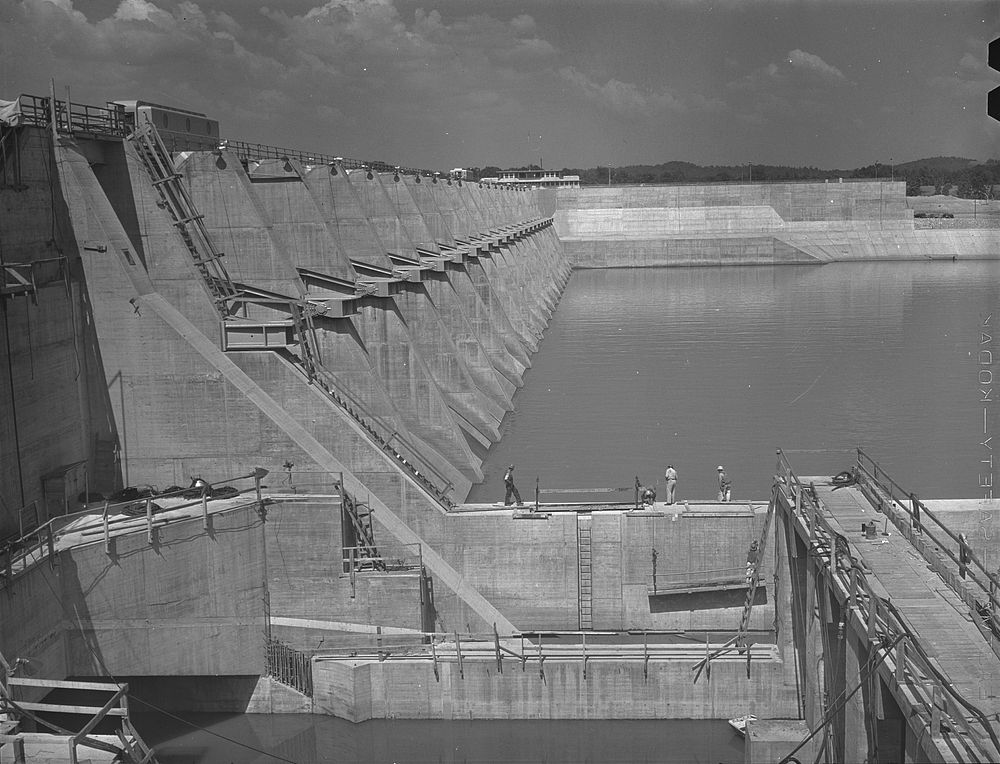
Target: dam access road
[(332, 345)]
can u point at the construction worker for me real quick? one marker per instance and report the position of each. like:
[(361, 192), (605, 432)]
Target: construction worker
[(671, 477), (725, 486), (752, 557), (508, 482)]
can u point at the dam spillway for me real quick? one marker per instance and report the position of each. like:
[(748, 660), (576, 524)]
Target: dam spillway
[(359, 333)]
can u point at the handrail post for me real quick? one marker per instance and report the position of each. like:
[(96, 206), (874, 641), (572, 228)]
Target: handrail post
[(936, 710), (993, 597), (496, 646), (107, 529), (873, 606), (354, 552), (434, 658), (204, 507), (149, 519), (51, 541), (458, 653), (963, 555), (915, 506)]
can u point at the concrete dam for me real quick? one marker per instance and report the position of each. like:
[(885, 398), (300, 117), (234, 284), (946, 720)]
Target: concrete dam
[(248, 390)]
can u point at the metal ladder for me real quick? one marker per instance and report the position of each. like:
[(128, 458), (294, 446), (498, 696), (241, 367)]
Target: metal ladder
[(739, 642), (754, 580), (585, 568), (190, 224), (305, 333), (360, 517)]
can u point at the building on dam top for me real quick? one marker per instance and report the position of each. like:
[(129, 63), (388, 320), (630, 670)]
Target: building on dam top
[(535, 179)]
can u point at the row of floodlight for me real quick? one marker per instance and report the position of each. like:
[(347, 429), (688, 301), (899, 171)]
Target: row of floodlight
[(371, 167)]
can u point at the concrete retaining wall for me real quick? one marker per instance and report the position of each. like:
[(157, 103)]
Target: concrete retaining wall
[(407, 689), (191, 603), (764, 224)]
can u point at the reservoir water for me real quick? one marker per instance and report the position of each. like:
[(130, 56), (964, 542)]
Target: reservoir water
[(305, 739), (699, 367), (696, 367)]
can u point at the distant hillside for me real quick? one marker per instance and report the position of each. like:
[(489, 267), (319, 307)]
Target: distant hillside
[(938, 164), (967, 178)]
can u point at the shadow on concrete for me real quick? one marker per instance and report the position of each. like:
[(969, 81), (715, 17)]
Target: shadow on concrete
[(664, 602)]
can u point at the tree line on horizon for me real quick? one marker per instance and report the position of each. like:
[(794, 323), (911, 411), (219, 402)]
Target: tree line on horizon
[(965, 178)]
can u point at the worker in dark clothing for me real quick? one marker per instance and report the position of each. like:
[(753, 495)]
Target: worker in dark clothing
[(725, 486), (511, 489)]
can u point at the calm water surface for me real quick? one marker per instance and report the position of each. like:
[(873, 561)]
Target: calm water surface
[(305, 739), (706, 366)]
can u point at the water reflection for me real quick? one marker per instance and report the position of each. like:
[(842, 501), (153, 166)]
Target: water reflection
[(307, 739)]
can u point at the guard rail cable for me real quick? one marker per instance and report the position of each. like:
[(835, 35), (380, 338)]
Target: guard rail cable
[(939, 704), (739, 641)]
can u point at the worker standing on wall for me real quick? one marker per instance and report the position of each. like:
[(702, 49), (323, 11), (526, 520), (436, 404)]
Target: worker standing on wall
[(725, 486), (752, 558), (511, 489), (671, 477)]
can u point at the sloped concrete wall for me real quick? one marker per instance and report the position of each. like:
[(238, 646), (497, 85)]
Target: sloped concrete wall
[(744, 224), (53, 398), (191, 603)]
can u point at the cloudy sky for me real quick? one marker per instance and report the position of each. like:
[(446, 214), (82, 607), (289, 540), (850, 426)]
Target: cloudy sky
[(445, 83)]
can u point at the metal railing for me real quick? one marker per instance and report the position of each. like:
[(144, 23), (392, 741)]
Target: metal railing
[(289, 666), (23, 553), (939, 705), (108, 121), (357, 559), (885, 493), (388, 438), (539, 647), (253, 151)]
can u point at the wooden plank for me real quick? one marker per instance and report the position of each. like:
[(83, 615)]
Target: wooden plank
[(62, 684), (57, 708)]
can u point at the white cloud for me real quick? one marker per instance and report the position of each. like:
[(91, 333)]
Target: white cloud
[(809, 62), (798, 73), (622, 97)]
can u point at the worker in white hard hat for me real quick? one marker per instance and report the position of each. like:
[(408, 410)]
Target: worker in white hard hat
[(725, 486), (670, 475)]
